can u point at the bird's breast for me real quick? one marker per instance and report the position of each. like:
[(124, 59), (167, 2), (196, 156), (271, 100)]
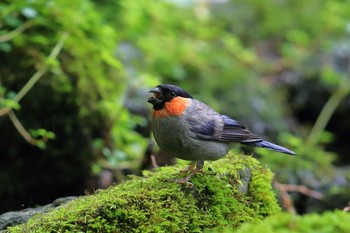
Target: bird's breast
[(170, 134)]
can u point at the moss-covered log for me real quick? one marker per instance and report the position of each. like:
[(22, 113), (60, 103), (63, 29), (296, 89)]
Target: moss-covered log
[(231, 191)]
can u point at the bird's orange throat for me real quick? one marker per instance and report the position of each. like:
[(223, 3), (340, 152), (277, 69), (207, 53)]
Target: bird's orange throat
[(175, 107)]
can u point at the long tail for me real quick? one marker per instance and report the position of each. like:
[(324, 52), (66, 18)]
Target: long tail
[(270, 146)]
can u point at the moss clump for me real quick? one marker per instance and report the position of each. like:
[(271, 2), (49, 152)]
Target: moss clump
[(232, 190), (328, 222)]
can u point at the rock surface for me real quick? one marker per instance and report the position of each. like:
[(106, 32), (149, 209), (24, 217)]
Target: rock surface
[(17, 217)]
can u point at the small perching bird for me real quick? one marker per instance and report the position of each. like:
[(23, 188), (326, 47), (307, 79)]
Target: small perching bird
[(188, 129)]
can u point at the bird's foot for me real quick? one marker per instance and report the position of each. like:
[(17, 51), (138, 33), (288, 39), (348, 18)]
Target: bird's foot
[(192, 170), (192, 173), (190, 167)]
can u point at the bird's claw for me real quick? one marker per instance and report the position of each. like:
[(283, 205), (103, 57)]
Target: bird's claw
[(190, 167), (192, 173)]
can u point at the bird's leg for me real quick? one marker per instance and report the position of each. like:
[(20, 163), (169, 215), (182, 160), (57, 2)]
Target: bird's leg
[(154, 161), (189, 168), (198, 168)]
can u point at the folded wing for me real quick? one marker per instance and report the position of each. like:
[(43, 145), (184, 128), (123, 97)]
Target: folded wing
[(215, 127)]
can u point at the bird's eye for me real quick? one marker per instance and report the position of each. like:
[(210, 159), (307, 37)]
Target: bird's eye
[(172, 94)]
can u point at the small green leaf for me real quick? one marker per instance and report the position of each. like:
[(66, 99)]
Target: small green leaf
[(40, 144), (42, 133), (9, 103)]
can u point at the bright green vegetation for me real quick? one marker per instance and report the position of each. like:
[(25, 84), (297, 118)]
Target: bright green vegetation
[(329, 222), (262, 62), (231, 191), (269, 64)]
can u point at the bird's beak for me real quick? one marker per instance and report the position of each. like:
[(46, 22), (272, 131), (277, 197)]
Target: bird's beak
[(157, 96)]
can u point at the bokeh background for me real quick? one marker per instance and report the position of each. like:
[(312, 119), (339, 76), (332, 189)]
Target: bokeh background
[(75, 75)]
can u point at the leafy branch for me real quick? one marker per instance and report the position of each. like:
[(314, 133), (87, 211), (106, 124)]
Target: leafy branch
[(12, 34), (42, 133), (35, 78), (20, 128)]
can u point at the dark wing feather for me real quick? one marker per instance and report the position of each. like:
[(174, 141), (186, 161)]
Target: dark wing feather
[(207, 124), (233, 131)]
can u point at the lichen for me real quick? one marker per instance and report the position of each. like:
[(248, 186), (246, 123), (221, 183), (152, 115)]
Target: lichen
[(231, 191)]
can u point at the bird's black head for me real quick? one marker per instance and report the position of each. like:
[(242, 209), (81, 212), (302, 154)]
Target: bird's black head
[(164, 93)]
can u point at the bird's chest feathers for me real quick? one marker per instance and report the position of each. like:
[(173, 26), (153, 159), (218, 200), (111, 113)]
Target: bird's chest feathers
[(169, 125), (175, 107), (169, 133)]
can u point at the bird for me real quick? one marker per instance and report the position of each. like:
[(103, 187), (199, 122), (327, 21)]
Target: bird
[(189, 129)]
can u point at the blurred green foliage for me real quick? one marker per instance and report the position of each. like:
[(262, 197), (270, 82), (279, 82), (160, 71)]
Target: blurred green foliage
[(240, 57), (73, 98), (328, 222), (86, 64)]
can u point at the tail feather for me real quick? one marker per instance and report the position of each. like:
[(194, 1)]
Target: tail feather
[(270, 146)]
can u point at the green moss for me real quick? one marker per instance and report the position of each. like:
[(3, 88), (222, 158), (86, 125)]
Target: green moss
[(231, 191), (329, 222)]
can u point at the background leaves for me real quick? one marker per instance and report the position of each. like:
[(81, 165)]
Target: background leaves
[(278, 67)]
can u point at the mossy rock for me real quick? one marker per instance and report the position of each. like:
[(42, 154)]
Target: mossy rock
[(328, 222), (231, 191)]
